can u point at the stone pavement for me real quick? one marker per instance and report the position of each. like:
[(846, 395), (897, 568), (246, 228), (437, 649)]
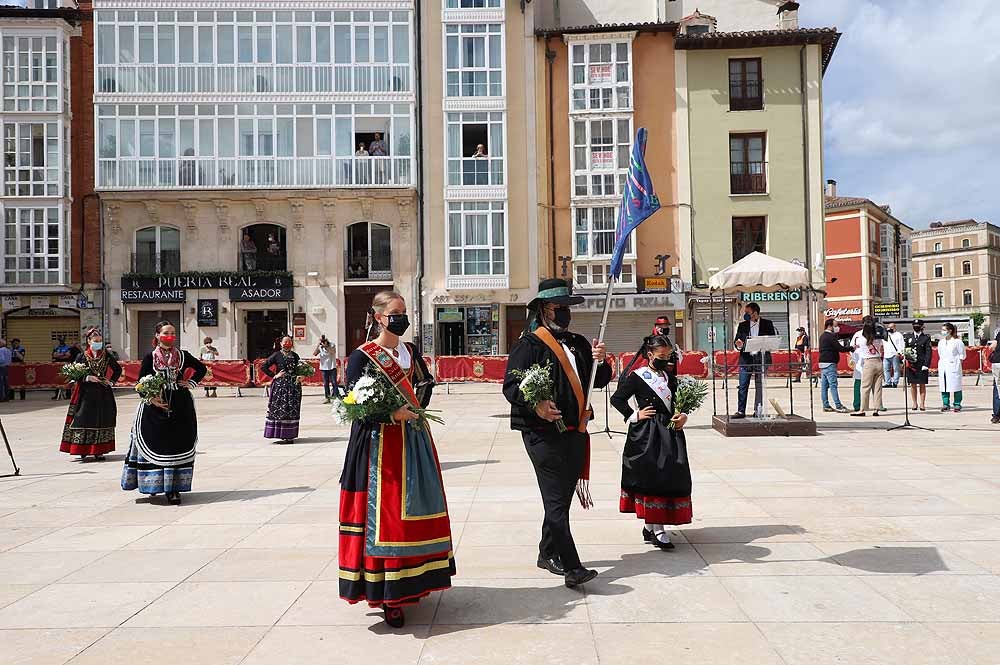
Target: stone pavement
[(857, 546)]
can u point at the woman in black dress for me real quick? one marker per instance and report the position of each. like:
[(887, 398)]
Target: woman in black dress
[(918, 372), (285, 402), (165, 433), (93, 413), (656, 476)]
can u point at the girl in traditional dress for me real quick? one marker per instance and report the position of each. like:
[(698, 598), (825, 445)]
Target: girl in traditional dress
[(951, 353), (395, 534), (285, 402), (656, 476), (90, 421), (164, 433)]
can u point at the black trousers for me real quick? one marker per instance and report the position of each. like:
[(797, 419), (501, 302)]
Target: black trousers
[(558, 460)]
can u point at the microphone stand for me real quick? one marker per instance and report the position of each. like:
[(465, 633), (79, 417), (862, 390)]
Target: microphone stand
[(607, 418), (10, 453), (906, 405)]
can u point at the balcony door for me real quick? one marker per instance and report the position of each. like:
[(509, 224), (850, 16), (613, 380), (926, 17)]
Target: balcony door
[(263, 247), (747, 168), (369, 252)]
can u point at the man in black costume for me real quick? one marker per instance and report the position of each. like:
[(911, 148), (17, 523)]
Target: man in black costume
[(561, 459)]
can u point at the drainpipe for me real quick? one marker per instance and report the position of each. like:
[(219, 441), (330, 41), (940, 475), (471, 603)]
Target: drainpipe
[(805, 161), (550, 57), (419, 123), (105, 316)]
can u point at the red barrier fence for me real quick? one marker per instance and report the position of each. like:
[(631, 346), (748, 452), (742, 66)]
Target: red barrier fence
[(221, 373)]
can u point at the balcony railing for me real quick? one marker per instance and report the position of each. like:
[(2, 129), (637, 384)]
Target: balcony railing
[(383, 77), (245, 172), (748, 178), (250, 262), (148, 263), (372, 267)]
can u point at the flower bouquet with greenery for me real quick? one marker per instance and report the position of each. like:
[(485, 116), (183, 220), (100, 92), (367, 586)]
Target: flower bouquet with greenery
[(373, 397), (538, 386), (302, 371), (77, 372), (910, 354), (690, 395), (151, 387)]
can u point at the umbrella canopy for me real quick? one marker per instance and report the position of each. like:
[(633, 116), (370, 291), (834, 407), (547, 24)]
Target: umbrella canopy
[(760, 272)]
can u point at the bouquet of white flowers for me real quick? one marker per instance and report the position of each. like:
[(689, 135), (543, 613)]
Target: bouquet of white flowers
[(75, 371), (910, 354), (537, 386), (689, 396), (373, 397), (150, 387)]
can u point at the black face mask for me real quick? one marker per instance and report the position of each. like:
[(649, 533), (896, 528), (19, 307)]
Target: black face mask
[(398, 324), (562, 318), (659, 364)]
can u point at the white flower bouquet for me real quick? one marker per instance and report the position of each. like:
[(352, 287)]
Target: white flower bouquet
[(537, 386), (690, 395), (75, 372), (373, 397), (150, 387)]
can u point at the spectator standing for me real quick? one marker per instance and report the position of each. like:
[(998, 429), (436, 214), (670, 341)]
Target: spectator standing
[(995, 367), (830, 348), (4, 370), (870, 348), (894, 346), (17, 355), (208, 353), (326, 351), (951, 353), (802, 346)]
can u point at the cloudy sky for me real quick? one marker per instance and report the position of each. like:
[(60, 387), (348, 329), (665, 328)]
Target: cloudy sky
[(912, 105)]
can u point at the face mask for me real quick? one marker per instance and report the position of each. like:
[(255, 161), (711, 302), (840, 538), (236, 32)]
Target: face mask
[(659, 364), (917, 329), (945, 333), (398, 324), (836, 329), (662, 331), (562, 318), (96, 346), (168, 340), (287, 346), (746, 317)]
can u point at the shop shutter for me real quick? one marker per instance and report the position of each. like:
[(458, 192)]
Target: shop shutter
[(625, 329), (38, 334)]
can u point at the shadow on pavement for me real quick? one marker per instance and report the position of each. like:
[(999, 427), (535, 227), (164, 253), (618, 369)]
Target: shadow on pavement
[(451, 466), (219, 496)]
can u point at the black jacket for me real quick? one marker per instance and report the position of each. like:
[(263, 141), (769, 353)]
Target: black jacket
[(830, 348), (743, 333), (634, 386), (995, 353), (922, 345), (528, 351)]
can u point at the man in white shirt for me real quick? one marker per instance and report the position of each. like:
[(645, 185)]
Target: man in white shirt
[(326, 351), (893, 346)]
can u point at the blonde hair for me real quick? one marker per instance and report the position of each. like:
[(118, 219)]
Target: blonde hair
[(379, 304)]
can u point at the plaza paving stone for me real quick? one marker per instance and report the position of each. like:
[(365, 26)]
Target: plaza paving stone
[(856, 546)]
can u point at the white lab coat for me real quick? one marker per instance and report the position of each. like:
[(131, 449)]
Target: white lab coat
[(951, 353)]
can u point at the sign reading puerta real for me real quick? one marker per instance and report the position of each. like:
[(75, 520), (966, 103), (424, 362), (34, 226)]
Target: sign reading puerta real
[(242, 288)]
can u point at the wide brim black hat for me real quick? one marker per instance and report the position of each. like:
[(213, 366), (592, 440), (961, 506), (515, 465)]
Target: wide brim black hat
[(555, 291)]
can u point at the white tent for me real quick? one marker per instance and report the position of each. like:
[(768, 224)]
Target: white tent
[(760, 272)]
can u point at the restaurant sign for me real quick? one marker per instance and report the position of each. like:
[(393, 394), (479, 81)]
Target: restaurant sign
[(775, 296), (218, 281), (153, 295)]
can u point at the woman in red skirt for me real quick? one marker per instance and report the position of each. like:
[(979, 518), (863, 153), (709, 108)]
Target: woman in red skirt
[(90, 421), (656, 476), (395, 534)]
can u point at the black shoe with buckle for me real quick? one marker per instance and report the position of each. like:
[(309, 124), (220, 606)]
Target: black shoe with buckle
[(394, 616), (647, 535), (575, 578), (552, 564)]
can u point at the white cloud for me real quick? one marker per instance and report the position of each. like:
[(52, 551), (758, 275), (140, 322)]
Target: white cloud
[(911, 100)]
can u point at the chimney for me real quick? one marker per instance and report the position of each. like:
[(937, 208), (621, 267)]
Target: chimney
[(831, 187)]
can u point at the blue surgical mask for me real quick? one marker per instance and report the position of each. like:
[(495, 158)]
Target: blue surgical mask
[(746, 317), (96, 346)]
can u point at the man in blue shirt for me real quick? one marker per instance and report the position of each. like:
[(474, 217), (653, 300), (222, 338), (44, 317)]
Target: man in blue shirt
[(4, 369), (17, 355)]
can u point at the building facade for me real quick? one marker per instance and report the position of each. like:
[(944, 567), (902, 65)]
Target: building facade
[(956, 271), (867, 259), (50, 282), (479, 159), (256, 168)]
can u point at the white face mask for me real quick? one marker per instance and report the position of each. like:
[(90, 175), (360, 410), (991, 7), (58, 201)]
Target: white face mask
[(836, 329)]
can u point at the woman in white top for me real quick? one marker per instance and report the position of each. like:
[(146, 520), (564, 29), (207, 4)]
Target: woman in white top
[(869, 349), (951, 353)]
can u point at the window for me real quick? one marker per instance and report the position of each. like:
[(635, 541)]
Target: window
[(600, 156), (746, 84), (967, 297), (966, 243), (873, 238), (594, 231), (939, 299), (262, 51), (600, 77), (747, 168), (474, 60), (472, 4), (966, 267), (31, 159), (477, 239), (169, 146), (157, 250), (35, 246), (595, 275), (475, 149), (937, 247), (369, 252), (263, 247), (938, 270), (31, 73), (749, 235)]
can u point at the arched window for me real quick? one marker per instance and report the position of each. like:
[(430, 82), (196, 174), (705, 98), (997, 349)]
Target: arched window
[(263, 247), (157, 250), (966, 267), (939, 299), (369, 252), (938, 270), (966, 242), (967, 297)]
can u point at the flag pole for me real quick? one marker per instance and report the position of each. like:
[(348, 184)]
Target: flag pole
[(600, 337)]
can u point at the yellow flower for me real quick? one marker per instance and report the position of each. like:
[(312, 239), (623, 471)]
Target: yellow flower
[(350, 398)]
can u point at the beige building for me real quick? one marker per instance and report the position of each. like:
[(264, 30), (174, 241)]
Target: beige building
[(479, 74), (256, 169), (956, 270)]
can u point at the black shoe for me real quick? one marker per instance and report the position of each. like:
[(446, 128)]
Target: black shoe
[(663, 545), (552, 564), (575, 578), (860, 414), (995, 420), (174, 498), (394, 616), (99, 458), (737, 416), (647, 535)]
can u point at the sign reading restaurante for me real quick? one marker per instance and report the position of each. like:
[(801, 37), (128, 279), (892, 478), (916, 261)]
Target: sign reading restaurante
[(173, 288)]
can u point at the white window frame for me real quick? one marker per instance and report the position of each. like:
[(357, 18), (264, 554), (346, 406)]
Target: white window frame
[(935, 270), (461, 212), (586, 214), (461, 32), (586, 178), (456, 165), (583, 68), (27, 244), (21, 179), (970, 299), (22, 91), (158, 248), (373, 275), (594, 275), (473, 4), (939, 299), (937, 247), (966, 243), (966, 263)]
